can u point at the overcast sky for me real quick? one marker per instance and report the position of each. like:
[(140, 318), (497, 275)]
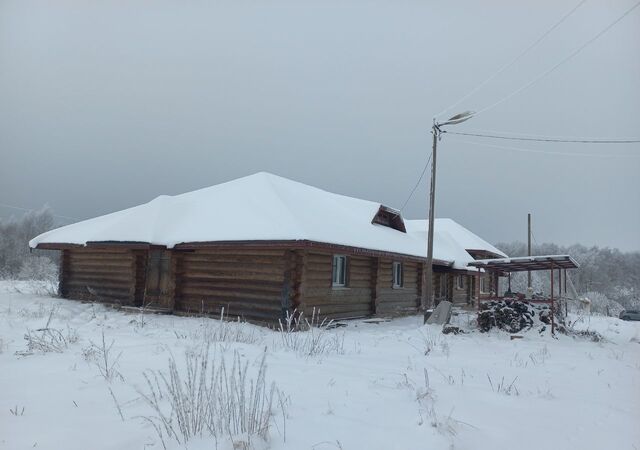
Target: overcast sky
[(107, 104)]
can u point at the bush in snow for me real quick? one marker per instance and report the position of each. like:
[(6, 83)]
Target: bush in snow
[(309, 337), (226, 331), (103, 357), (601, 304), (48, 339), (207, 398), (14, 241), (38, 268)]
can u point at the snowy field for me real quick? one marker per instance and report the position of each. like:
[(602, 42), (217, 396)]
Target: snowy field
[(385, 385)]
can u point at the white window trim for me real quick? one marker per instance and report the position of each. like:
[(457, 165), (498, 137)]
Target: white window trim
[(394, 268), (341, 262)]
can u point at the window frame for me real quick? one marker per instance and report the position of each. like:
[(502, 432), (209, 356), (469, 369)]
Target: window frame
[(397, 268), (484, 281), (460, 282), (339, 262)]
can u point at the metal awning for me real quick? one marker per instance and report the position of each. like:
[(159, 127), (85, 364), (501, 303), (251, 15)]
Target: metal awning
[(526, 263)]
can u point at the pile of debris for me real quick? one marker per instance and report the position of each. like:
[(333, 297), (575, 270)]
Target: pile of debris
[(513, 316)]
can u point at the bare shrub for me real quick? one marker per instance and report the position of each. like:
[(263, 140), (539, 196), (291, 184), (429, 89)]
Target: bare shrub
[(309, 337), (432, 341), (502, 387), (38, 313), (38, 268), (209, 399), (226, 330), (16, 411), (102, 356), (48, 339)]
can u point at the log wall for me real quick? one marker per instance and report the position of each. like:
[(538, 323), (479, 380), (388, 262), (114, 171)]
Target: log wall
[(98, 275), (460, 296), (245, 282), (397, 301), (354, 300)]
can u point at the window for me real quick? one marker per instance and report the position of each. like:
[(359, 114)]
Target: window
[(484, 285), (398, 275), (443, 288), (339, 278), (460, 282)]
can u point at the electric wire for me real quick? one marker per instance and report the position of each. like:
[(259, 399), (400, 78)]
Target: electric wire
[(542, 136), (526, 150), (560, 63), (513, 61), (547, 139), (424, 170)]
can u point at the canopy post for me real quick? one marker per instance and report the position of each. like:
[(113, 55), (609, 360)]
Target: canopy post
[(553, 327), (478, 289)]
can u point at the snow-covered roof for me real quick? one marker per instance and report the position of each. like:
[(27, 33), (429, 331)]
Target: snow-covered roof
[(264, 207), (522, 263), (451, 240)]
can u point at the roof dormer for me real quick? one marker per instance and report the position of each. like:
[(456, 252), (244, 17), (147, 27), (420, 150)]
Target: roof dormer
[(389, 217)]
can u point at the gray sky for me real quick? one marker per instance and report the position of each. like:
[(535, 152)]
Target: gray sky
[(105, 105)]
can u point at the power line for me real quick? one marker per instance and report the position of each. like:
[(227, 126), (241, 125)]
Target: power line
[(526, 150), (29, 210), (549, 139), (424, 170), (566, 59), (516, 59), (542, 136)]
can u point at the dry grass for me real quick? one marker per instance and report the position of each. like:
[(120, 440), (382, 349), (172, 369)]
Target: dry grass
[(209, 399)]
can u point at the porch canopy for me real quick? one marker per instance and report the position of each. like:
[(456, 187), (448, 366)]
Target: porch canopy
[(504, 266), (526, 263)]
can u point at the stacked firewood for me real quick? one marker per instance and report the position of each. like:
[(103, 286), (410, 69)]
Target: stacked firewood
[(512, 316)]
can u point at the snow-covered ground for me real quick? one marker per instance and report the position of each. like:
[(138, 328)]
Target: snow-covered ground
[(381, 385)]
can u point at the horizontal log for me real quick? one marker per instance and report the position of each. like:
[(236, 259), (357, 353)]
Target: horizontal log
[(337, 292), (235, 274), (329, 302), (344, 310), (186, 266), (195, 305), (89, 276), (273, 289), (234, 259), (99, 284), (119, 264), (388, 302), (110, 293), (270, 284), (101, 257), (102, 251), (391, 292), (230, 294), (236, 250)]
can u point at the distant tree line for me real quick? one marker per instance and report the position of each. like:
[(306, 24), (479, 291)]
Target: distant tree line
[(609, 278), (16, 259)]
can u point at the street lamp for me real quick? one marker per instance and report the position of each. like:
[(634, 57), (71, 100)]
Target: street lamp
[(436, 131)]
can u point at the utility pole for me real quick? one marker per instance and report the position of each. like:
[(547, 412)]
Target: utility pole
[(435, 130), (529, 247)]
